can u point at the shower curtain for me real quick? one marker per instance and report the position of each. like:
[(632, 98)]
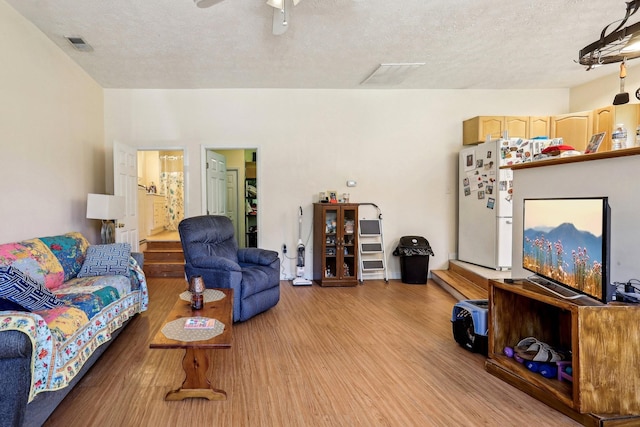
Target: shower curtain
[(172, 186)]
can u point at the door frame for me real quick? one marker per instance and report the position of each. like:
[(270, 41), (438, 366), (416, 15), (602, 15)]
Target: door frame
[(185, 174), (238, 229), (203, 181)]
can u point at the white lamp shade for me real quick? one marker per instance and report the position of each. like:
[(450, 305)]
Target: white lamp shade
[(104, 206)]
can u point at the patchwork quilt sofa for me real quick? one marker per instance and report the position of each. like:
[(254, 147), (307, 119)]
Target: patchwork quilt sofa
[(62, 301)]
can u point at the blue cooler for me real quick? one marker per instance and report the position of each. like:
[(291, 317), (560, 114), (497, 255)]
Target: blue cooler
[(469, 323)]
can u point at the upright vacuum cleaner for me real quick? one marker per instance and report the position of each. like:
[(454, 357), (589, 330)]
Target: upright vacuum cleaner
[(300, 280)]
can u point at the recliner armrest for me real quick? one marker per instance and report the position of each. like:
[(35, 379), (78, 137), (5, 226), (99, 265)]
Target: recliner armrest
[(215, 263), (257, 256)]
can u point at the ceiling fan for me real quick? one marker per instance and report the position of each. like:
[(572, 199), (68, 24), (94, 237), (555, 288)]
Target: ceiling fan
[(205, 3), (280, 12), (281, 15)]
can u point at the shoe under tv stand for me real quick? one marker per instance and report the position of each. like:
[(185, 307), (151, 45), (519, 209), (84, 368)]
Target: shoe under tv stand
[(605, 344)]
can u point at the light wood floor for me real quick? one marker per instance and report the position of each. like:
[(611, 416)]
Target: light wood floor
[(374, 355)]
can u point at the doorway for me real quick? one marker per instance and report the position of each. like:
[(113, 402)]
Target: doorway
[(161, 194), (241, 192)]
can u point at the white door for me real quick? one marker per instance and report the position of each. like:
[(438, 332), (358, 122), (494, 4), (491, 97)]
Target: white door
[(232, 199), (216, 183), (125, 183)]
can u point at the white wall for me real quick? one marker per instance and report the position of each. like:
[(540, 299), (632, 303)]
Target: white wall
[(607, 177), (600, 93), (51, 136), (400, 146)]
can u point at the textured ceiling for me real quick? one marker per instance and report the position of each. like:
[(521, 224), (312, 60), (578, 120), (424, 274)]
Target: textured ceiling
[(479, 44)]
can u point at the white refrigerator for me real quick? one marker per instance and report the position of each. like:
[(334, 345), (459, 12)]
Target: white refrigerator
[(485, 195)]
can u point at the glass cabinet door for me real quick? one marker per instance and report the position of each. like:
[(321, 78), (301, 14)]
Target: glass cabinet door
[(331, 220), (348, 247)]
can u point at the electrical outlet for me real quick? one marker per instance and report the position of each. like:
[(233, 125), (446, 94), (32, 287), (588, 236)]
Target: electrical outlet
[(284, 248)]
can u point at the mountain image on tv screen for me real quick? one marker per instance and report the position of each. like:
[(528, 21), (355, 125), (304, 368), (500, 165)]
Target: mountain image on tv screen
[(563, 241)]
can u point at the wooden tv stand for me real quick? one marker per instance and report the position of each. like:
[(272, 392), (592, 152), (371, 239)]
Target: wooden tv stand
[(605, 344)]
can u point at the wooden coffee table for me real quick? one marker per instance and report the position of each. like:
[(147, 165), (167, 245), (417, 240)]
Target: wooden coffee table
[(196, 358)]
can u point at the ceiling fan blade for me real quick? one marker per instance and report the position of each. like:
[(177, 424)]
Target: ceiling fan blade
[(206, 3)]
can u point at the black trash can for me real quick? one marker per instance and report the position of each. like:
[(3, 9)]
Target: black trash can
[(414, 252)]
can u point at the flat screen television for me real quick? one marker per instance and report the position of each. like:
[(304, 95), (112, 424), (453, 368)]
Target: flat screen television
[(566, 243)]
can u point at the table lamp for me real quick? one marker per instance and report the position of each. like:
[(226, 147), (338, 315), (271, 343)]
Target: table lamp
[(108, 209)]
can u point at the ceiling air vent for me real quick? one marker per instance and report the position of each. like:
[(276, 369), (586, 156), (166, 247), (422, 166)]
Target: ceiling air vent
[(79, 44)]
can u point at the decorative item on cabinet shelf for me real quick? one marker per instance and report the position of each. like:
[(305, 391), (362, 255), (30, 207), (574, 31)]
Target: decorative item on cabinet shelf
[(331, 226), (348, 226), (594, 142)]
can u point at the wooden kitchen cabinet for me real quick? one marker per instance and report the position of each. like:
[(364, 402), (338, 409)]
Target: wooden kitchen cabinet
[(476, 129), (575, 129), (517, 126), (605, 119), (539, 126), (335, 244)]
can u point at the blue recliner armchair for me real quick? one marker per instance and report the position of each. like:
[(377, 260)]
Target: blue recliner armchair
[(211, 251)]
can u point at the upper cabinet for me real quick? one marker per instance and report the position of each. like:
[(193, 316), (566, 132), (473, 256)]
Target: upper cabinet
[(575, 129), (517, 126), (605, 119), (539, 126), (477, 129)]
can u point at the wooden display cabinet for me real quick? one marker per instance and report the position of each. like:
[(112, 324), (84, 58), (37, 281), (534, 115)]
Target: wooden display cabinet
[(335, 244), (604, 340)]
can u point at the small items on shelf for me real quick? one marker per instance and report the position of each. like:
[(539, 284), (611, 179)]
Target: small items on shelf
[(348, 226)]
